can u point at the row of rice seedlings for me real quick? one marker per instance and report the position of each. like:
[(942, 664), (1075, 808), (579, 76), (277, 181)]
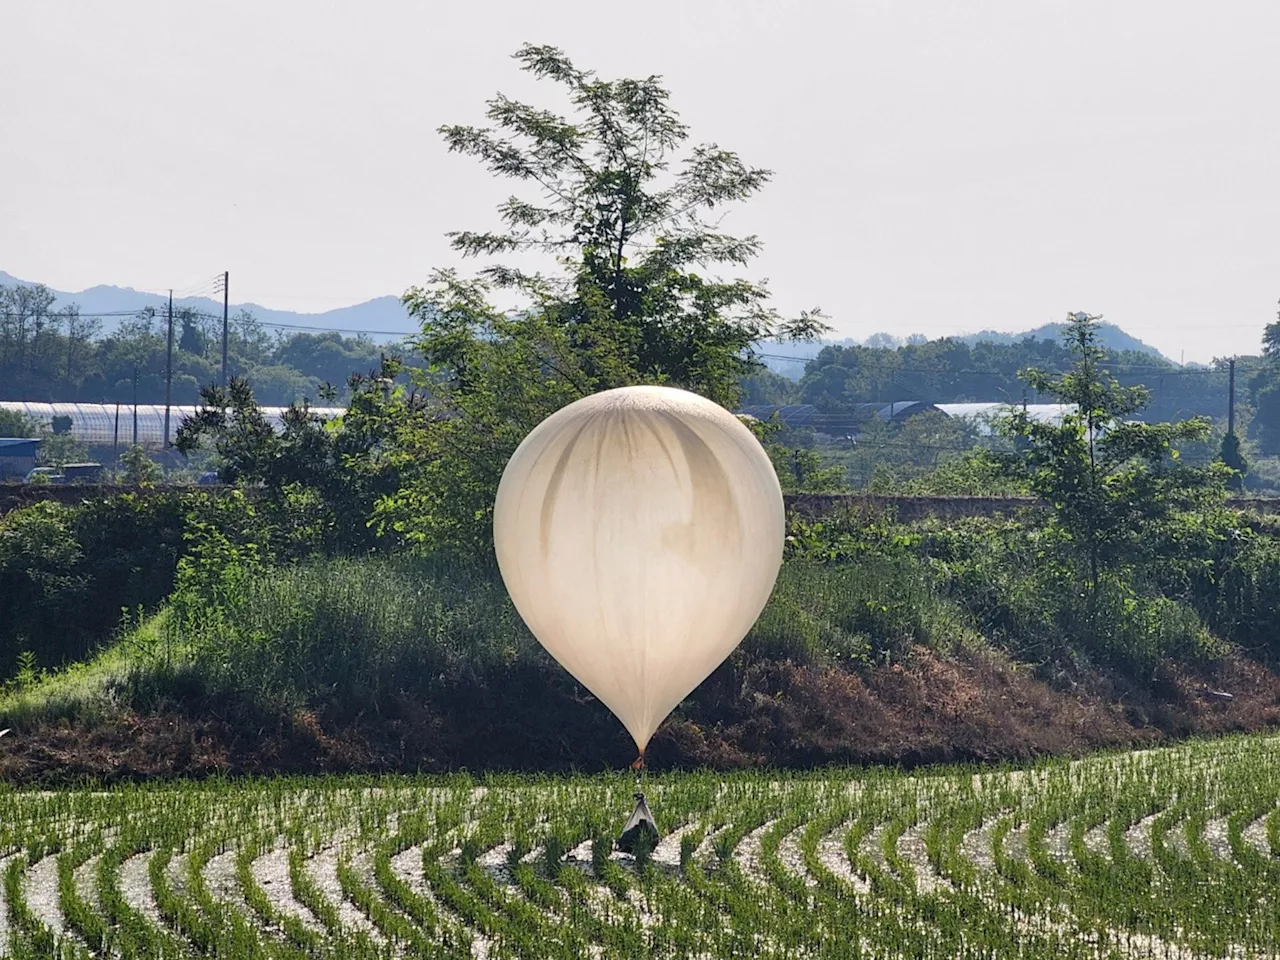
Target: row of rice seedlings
[(896, 831)]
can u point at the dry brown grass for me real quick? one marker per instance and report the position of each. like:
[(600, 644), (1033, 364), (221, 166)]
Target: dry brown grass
[(973, 707)]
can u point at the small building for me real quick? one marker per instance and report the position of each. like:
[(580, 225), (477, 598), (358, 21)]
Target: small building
[(17, 457)]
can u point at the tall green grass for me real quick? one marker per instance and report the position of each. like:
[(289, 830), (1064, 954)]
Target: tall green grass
[(366, 630), (359, 630)]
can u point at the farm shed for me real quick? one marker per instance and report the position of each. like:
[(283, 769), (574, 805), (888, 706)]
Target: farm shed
[(17, 456)]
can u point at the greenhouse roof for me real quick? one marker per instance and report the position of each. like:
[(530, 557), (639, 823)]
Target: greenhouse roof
[(103, 423)]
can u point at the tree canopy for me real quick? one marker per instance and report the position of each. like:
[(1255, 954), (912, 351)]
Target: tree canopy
[(619, 210)]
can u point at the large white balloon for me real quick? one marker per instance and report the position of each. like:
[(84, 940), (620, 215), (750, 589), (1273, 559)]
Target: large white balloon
[(639, 532)]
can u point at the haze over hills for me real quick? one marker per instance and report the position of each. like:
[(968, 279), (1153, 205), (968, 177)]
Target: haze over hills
[(383, 318), (788, 359)]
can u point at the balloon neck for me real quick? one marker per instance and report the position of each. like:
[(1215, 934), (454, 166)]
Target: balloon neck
[(638, 764)]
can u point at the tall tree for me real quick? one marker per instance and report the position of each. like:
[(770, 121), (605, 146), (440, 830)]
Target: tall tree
[(622, 207), (1109, 478), (1265, 390), (625, 206), (27, 308)]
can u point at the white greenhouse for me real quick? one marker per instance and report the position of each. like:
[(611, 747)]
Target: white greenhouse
[(109, 423), (985, 414)]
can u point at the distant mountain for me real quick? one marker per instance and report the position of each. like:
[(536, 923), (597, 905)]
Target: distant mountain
[(1110, 337), (383, 318)]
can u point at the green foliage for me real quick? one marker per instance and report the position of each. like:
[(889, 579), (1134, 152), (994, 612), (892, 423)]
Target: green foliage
[(59, 449), (1267, 416), (354, 633), (1232, 457), (800, 467), (14, 423), (948, 370), (979, 473), (886, 455), (138, 469), (320, 480), (492, 378), (1264, 390), (1109, 479), (227, 544), (802, 470), (1246, 606), (67, 571), (1015, 584), (363, 634), (60, 356), (28, 670), (629, 219), (763, 386), (857, 614)]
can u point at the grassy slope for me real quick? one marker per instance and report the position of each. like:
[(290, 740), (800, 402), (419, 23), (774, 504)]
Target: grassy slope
[(406, 665)]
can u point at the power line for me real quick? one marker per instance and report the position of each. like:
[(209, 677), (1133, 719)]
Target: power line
[(1170, 371), (205, 315), (205, 286)]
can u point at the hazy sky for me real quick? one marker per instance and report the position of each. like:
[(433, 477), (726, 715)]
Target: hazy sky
[(940, 167)]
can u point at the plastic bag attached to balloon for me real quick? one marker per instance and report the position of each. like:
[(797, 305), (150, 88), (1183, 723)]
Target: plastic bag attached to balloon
[(640, 831)]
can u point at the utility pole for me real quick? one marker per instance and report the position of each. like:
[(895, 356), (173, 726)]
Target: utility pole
[(168, 372), (1231, 397), (115, 437), (135, 404), (226, 276)]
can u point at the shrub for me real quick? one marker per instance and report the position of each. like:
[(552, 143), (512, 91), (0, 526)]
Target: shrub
[(1247, 602), (66, 572)]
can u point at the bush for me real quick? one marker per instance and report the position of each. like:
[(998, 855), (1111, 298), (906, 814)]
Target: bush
[(14, 423), (1247, 607), (1018, 584), (43, 585), (67, 572)]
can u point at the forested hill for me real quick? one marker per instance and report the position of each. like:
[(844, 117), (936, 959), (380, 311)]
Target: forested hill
[(1110, 337), (789, 359), (58, 353), (840, 377), (50, 352)]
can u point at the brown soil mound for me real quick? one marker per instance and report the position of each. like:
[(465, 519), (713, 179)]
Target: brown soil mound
[(973, 707)]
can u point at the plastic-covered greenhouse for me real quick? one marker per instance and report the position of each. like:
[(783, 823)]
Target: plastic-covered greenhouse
[(108, 423)]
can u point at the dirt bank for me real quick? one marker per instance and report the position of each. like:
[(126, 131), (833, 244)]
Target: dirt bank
[(926, 710)]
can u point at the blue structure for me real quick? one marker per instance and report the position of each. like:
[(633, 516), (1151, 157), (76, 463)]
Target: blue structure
[(17, 456)]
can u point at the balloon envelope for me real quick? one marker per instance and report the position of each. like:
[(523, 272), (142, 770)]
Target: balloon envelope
[(639, 532)]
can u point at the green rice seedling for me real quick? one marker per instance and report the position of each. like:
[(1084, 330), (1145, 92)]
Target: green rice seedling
[(1163, 853)]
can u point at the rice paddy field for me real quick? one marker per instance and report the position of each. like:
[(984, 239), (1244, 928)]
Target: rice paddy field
[(1164, 853)]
